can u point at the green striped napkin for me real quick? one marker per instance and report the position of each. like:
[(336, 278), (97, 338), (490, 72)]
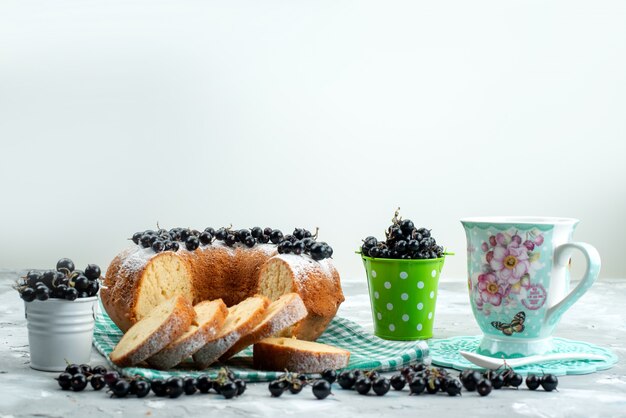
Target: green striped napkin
[(366, 352)]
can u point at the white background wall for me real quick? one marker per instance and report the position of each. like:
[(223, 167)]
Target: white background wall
[(117, 114)]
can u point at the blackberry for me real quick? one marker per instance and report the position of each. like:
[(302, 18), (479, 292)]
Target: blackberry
[(228, 390), (42, 292), (111, 377), (532, 382), (241, 385), (483, 387), (206, 238), (136, 237), (158, 246), (321, 389), (549, 382), (230, 240), (277, 387), (184, 234), (276, 236), (381, 386), (453, 386), (92, 272), (99, 370), (398, 382), (72, 369), (78, 382), (346, 379), (159, 388), (190, 386), (65, 265), (97, 381), (470, 380), (28, 294), (406, 226), (65, 380), (298, 247), (363, 385), (174, 387), (329, 375), (515, 380), (142, 388), (121, 388), (433, 385), (71, 293), (221, 234), (417, 385)]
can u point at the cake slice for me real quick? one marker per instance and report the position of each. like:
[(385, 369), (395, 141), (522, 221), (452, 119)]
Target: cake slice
[(241, 319), (284, 312), (298, 356), (164, 324), (210, 317)]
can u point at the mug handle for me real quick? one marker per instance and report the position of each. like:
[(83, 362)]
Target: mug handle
[(562, 255)]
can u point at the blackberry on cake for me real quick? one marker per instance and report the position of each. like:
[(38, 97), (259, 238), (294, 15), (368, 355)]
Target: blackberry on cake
[(140, 278)]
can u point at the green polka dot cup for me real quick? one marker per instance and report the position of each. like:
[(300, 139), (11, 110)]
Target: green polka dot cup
[(403, 294)]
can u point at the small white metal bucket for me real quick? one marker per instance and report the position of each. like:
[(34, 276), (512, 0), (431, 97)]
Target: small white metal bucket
[(60, 331)]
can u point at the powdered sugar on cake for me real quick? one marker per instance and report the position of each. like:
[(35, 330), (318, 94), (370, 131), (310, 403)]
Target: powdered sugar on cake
[(135, 258), (303, 265)]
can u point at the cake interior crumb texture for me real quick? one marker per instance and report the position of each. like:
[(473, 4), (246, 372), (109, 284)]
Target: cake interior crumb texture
[(164, 277)]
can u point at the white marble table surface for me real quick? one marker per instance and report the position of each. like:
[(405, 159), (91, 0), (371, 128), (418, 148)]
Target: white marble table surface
[(599, 317)]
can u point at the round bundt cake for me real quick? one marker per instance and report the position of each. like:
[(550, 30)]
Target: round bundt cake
[(139, 279)]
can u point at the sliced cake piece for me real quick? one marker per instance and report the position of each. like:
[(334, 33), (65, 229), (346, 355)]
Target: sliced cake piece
[(164, 324), (298, 356), (241, 319), (210, 317), (284, 312)]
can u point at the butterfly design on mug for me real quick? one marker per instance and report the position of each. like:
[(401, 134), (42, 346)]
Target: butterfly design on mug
[(516, 325)]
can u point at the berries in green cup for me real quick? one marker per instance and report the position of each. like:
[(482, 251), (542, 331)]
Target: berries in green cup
[(403, 276)]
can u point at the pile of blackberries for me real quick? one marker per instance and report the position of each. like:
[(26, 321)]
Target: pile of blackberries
[(294, 383), (418, 377), (301, 241), (63, 283), (76, 377), (364, 381), (403, 241), (507, 377)]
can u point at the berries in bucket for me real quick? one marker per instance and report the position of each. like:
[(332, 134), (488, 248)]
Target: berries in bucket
[(59, 308), (403, 274)]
